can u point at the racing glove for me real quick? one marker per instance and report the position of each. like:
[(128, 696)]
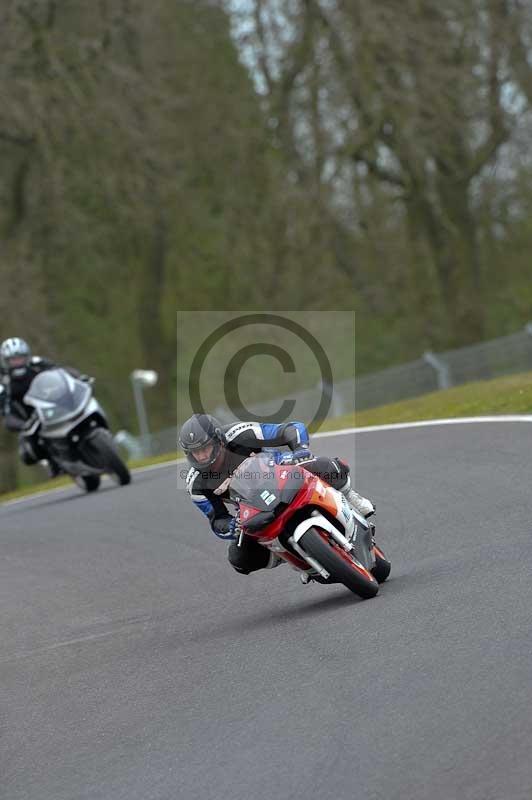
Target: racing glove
[(225, 527), (296, 456), (295, 436), (17, 424)]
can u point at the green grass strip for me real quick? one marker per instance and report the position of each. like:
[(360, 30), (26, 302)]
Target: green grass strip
[(510, 395)]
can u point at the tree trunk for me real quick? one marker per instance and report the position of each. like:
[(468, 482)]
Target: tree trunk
[(8, 462), (152, 334), (450, 231)]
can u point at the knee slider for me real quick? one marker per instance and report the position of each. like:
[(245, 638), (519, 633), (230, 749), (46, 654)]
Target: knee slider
[(234, 556), (241, 570), (27, 454)]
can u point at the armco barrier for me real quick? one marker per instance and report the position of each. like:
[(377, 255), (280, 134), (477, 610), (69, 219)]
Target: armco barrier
[(503, 356)]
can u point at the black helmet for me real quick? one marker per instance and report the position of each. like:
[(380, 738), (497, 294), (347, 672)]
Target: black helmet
[(15, 356), (198, 433)]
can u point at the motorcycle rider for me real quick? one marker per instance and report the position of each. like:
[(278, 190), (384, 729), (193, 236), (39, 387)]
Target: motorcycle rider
[(214, 451), (17, 369)]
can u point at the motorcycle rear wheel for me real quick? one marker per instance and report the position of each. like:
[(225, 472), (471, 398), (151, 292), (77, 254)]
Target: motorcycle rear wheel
[(339, 564)]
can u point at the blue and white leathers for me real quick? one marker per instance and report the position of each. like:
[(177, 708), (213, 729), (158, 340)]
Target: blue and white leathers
[(207, 489)]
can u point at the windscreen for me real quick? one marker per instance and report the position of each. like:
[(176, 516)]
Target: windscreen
[(56, 395), (254, 482), (260, 483)]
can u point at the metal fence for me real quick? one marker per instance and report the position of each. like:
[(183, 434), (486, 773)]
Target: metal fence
[(431, 372), (495, 358)]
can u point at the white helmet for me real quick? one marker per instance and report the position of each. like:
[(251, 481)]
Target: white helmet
[(15, 356)]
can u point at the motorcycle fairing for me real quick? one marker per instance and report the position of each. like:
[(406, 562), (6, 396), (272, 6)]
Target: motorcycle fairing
[(57, 396), (92, 411), (258, 483)]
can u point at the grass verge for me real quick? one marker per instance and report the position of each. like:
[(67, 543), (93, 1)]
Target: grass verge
[(510, 395), (63, 480)]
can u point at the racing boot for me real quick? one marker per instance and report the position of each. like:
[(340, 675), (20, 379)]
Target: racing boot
[(52, 467), (356, 501)]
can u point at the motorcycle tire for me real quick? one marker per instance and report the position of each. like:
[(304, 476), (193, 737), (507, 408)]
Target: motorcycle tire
[(90, 483), (101, 453), (339, 564), (382, 567)]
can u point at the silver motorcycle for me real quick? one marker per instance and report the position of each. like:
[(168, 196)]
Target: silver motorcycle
[(70, 425)]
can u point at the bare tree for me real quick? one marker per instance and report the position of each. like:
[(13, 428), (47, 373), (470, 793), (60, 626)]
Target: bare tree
[(409, 96)]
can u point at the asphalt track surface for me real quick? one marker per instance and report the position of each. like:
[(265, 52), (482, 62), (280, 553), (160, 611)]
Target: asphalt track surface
[(135, 663)]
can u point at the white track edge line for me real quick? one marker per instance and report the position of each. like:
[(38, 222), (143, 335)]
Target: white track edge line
[(426, 423), (322, 435)]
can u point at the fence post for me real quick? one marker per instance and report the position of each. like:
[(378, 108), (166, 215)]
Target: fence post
[(131, 443), (442, 369)]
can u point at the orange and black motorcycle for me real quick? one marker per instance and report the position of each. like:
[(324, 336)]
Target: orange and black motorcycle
[(306, 522)]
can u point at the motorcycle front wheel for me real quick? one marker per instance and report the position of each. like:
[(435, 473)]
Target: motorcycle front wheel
[(99, 450), (89, 483), (339, 564)]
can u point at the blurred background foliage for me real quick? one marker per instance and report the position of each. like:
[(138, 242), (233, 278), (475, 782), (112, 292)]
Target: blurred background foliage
[(260, 154)]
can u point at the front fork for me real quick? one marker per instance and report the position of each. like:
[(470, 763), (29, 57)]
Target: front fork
[(238, 529)]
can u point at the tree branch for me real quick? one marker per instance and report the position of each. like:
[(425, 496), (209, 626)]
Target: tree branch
[(12, 138), (263, 54), (381, 172)]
